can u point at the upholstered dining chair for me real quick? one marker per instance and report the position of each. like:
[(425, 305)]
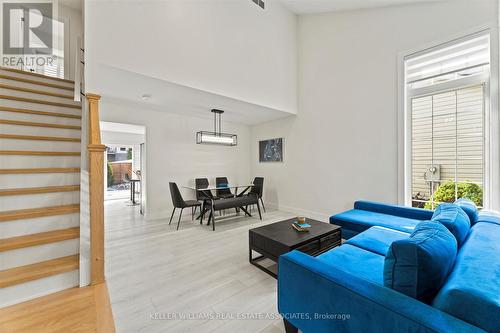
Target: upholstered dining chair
[(179, 202), (223, 193), (203, 196), (258, 189)]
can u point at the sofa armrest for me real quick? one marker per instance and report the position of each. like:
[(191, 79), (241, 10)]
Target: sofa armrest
[(402, 211), (318, 297)]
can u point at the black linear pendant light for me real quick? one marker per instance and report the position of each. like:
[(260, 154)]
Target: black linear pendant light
[(217, 137)]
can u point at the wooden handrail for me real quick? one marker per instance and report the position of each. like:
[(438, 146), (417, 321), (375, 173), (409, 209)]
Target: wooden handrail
[(96, 191)]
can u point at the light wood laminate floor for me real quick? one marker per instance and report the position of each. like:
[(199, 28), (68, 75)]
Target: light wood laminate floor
[(156, 274)]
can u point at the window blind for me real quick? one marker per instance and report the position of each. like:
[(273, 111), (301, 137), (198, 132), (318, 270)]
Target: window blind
[(459, 57)]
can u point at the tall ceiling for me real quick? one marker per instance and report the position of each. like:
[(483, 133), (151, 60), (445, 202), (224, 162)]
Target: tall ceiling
[(324, 6)]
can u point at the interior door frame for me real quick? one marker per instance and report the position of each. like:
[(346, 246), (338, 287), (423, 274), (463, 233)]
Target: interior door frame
[(142, 149)]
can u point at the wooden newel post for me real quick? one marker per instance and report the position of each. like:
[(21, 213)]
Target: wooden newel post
[(96, 191)]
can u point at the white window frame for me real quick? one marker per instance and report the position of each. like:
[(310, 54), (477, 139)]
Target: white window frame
[(491, 95)]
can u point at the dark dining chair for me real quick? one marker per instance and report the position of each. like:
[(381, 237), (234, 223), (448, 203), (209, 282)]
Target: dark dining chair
[(203, 196), (179, 202), (223, 193), (258, 189)]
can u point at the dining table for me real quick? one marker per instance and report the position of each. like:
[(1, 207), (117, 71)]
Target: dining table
[(224, 187), (245, 186)]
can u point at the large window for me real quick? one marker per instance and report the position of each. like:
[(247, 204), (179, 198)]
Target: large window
[(447, 95)]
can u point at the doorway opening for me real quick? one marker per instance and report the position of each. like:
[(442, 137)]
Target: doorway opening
[(124, 163), (123, 168)]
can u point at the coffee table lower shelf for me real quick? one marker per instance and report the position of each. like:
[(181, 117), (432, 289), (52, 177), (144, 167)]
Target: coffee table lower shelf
[(255, 260)]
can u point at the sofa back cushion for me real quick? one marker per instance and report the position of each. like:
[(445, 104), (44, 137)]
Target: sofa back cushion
[(488, 216), (453, 218), (395, 210), (418, 266), (472, 290), (469, 208)]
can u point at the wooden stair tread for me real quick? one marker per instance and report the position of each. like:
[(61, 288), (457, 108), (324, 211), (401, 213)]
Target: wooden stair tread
[(36, 91), (41, 238), (46, 84), (38, 170), (87, 309), (38, 137), (40, 113), (39, 101), (37, 124), (13, 70), (11, 215), (39, 153), (22, 274), (39, 190)]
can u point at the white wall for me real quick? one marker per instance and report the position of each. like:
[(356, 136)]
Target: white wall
[(229, 47), (72, 17), (173, 155), (343, 144), (121, 138)]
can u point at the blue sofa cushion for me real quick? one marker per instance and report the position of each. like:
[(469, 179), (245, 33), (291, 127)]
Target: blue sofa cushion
[(469, 208), (418, 265), (489, 217), (453, 218), (472, 291), (356, 261), (377, 239), (361, 220)]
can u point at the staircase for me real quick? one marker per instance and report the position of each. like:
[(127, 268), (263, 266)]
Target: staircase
[(39, 186)]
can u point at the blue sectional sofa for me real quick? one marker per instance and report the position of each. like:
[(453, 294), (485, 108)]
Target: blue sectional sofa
[(401, 270)]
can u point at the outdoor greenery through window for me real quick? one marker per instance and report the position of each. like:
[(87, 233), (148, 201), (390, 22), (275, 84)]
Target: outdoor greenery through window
[(446, 101)]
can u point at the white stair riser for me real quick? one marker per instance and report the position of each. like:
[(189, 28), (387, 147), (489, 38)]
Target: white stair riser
[(38, 180), (20, 161), (15, 202), (35, 130), (37, 288), (39, 253), (15, 144), (39, 118), (40, 224), (24, 94), (33, 86), (38, 107), (35, 78)]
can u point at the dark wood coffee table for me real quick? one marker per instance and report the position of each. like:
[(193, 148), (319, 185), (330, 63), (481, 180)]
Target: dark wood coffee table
[(278, 238)]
